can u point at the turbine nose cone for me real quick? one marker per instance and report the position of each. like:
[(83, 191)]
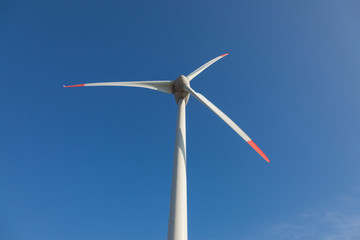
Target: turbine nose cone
[(184, 80), (179, 90)]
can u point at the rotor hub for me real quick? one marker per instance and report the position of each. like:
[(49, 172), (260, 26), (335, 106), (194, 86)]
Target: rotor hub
[(179, 90)]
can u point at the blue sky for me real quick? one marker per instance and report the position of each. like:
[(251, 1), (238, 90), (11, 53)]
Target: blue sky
[(96, 163)]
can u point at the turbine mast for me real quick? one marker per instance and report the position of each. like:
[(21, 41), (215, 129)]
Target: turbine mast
[(177, 228)]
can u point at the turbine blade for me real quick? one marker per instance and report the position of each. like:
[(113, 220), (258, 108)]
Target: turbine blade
[(163, 86), (224, 117), (203, 67)]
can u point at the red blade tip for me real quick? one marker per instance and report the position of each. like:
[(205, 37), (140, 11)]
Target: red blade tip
[(258, 150), (224, 55), (78, 85)]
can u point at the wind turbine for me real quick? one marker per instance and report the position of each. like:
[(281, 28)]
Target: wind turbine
[(177, 228)]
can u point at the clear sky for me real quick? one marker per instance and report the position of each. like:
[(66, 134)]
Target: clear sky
[(96, 163)]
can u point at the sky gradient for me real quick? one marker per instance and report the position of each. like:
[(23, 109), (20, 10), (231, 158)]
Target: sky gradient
[(96, 163)]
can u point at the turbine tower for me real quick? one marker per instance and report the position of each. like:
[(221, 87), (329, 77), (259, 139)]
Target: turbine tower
[(177, 228)]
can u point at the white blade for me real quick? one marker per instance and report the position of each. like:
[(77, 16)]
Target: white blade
[(230, 122), (203, 67), (163, 86)]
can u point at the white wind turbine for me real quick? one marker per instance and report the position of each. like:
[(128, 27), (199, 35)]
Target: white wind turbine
[(177, 228)]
